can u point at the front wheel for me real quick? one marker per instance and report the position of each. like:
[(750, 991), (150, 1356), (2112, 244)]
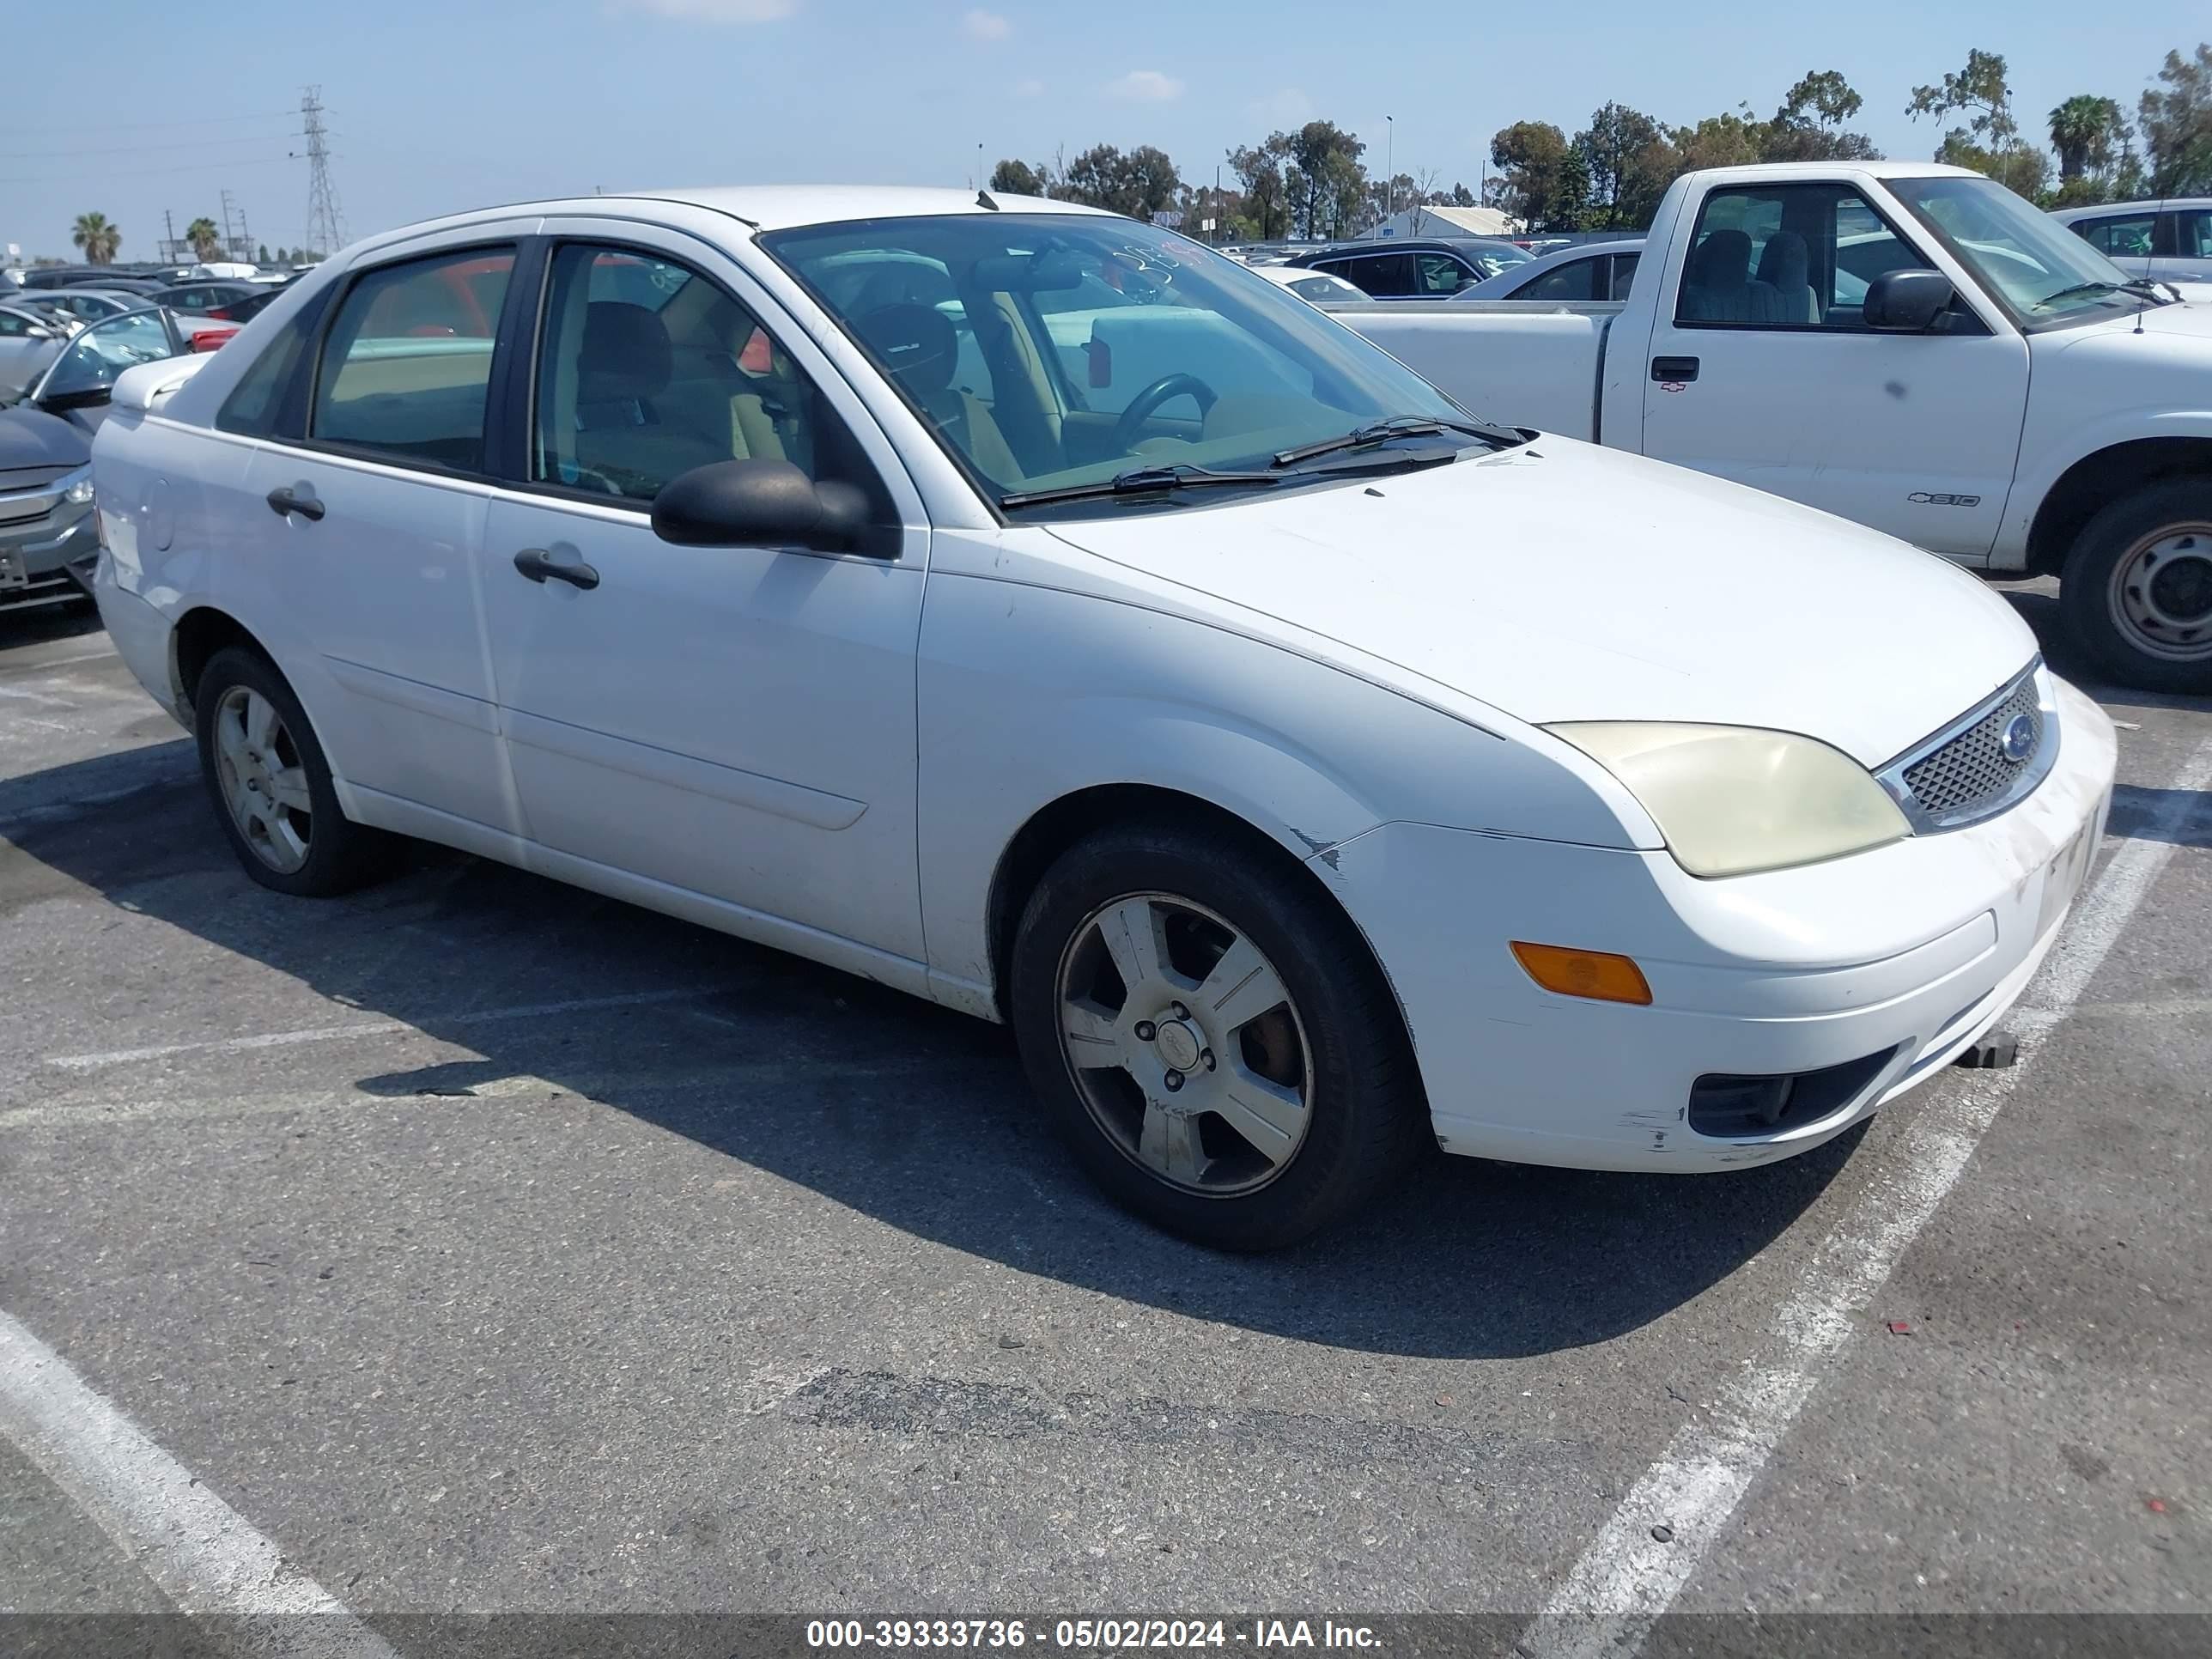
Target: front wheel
[(1211, 1037), (2137, 587)]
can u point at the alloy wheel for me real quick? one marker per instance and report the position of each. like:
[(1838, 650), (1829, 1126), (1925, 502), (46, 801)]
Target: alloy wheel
[(1184, 1043), (264, 783)]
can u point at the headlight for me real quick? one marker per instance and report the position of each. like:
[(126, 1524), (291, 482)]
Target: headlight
[(1732, 799), (76, 487)]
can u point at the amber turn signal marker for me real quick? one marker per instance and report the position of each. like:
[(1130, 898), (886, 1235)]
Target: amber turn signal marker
[(1583, 973)]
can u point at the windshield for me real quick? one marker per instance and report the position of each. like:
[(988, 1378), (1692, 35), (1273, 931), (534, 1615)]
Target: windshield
[(1049, 352), (102, 352), (2042, 272)]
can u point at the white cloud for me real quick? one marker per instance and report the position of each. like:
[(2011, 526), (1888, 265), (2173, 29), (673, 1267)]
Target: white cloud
[(1030, 89), (714, 11), (980, 25), (1145, 87), (1290, 106)]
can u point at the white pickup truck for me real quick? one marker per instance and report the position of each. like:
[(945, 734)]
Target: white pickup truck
[(1909, 345)]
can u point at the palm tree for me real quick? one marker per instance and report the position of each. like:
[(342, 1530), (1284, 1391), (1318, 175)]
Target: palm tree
[(97, 238), (206, 239), (2082, 132)]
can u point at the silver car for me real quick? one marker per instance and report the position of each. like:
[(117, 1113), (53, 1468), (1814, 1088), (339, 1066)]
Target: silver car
[(2169, 242), (1579, 271), (29, 340)]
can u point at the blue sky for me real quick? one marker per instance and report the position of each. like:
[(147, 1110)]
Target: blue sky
[(437, 106)]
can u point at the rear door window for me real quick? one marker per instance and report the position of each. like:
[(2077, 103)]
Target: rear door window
[(406, 366), (2122, 236), (1384, 275), (1575, 280)]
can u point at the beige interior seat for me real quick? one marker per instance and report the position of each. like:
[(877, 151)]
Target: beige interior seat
[(919, 347)]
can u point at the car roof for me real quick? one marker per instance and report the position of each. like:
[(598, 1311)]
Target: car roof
[(780, 207), (2167, 202)]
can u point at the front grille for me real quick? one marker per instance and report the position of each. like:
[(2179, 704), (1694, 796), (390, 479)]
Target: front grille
[(1964, 773), (1974, 766), (30, 478)]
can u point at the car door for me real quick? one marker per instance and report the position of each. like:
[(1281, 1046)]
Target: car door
[(2187, 235), (736, 723), (372, 506), (1761, 369)]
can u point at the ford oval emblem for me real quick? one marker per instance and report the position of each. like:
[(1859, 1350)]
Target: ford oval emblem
[(2018, 740)]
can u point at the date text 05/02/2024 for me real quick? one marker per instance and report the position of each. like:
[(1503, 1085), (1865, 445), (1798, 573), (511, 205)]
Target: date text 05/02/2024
[(1090, 1635)]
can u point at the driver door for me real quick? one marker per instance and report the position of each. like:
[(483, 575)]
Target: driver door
[(1762, 370)]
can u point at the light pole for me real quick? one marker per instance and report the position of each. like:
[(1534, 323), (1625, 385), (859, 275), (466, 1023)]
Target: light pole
[(1390, 167)]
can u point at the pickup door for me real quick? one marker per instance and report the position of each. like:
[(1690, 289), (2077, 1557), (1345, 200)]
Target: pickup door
[(1760, 369)]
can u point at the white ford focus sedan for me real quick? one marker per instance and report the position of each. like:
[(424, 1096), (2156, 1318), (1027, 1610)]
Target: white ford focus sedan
[(1033, 609)]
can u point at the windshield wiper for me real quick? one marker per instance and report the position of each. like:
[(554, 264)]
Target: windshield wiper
[(2079, 288), (1142, 481), (1398, 426)]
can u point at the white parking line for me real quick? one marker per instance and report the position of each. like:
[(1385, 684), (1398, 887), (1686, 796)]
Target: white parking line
[(199, 1552), (1627, 1578), (369, 1027)]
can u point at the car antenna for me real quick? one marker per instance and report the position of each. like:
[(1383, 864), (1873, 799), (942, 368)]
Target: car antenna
[(2143, 300), (983, 200)]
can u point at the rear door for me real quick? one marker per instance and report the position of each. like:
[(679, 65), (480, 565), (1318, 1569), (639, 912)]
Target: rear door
[(1762, 369), (731, 722), (371, 499)]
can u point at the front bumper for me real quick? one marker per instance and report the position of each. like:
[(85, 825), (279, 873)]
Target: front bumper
[(1910, 951), (38, 556)]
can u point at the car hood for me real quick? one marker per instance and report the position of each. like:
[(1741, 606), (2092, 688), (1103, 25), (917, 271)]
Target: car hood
[(31, 437), (1566, 582)]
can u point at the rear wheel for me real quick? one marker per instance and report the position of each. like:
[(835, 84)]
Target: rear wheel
[(1211, 1037), (2137, 588), (272, 786)]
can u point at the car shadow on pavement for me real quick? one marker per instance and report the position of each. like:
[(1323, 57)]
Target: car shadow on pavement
[(908, 1113)]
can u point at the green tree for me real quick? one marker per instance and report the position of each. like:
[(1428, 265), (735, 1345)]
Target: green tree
[(1810, 125), (1263, 170), (1531, 158), (1461, 196), (1720, 141), (262, 256), (1631, 164), (98, 240), (1328, 186), (2177, 126), (1140, 183), (206, 239), (1017, 178), (1990, 142)]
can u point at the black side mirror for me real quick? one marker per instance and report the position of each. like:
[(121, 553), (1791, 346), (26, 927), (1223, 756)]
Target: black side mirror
[(1907, 301), (88, 397), (758, 504)]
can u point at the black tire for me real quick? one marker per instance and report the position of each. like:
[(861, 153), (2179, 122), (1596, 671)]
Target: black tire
[(340, 855), (1366, 1117), (2090, 595)]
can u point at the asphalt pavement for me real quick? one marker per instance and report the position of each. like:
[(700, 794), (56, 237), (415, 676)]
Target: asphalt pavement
[(477, 1246)]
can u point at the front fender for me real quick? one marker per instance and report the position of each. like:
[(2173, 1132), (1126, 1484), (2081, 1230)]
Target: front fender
[(2047, 457), (1029, 695)]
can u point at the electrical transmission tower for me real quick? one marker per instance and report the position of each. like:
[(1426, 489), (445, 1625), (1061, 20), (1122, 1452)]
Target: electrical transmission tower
[(326, 225)]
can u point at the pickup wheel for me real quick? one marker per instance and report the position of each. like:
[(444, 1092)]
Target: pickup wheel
[(2137, 587), (272, 786), (1211, 1037)]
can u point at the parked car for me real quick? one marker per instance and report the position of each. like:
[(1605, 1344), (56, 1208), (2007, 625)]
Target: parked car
[(106, 277), (1243, 757), (1590, 271), (1317, 286), (1906, 344), (29, 340), (1427, 269), (2169, 240), (47, 529), (228, 299), (84, 303)]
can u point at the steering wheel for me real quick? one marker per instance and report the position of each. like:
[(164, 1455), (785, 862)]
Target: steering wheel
[(1142, 406)]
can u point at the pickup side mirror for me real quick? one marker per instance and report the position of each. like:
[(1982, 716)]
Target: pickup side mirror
[(1907, 301), (758, 504)]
